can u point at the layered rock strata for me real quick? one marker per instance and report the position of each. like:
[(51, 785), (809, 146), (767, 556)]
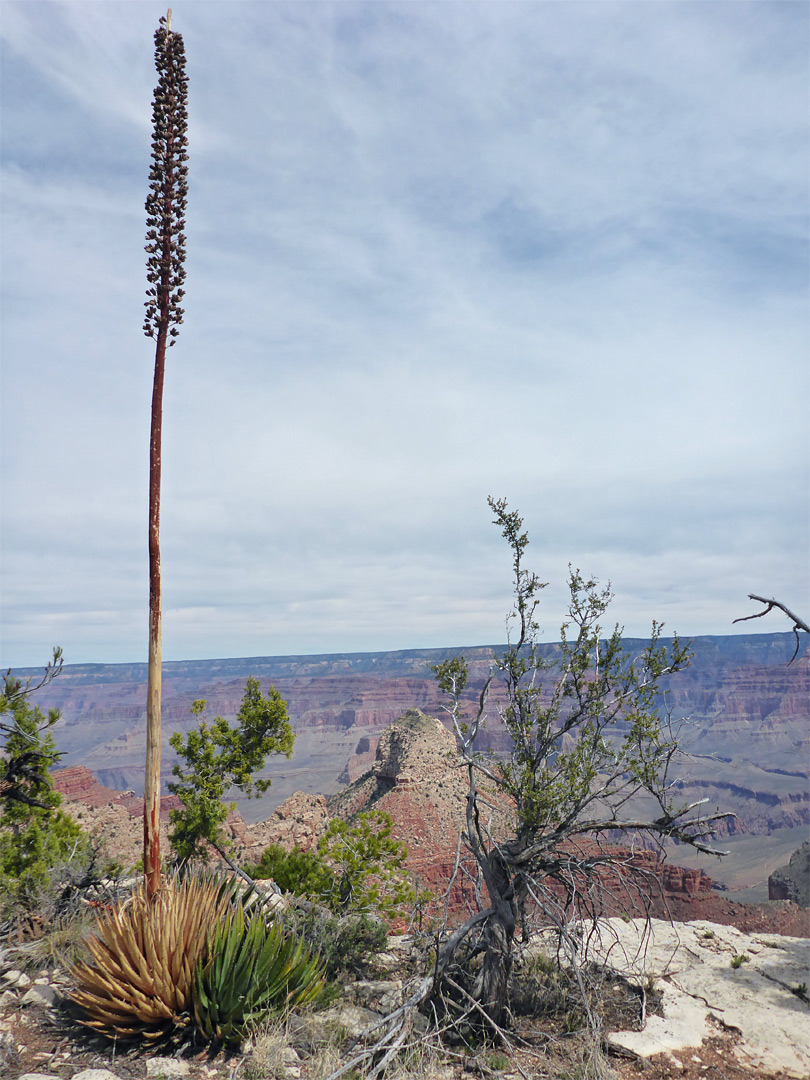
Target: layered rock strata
[(792, 882), (747, 711)]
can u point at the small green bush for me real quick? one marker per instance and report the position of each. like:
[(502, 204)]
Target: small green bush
[(303, 873), (739, 960), (347, 944), (357, 868), (369, 866)]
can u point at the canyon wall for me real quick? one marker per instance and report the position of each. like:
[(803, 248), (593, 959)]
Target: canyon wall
[(742, 710)]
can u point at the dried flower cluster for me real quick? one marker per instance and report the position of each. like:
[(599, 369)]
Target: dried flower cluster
[(168, 188)]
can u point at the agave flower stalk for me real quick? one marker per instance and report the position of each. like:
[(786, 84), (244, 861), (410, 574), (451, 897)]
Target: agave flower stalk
[(165, 273)]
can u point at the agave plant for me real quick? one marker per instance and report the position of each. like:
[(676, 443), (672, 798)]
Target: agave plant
[(252, 968), (146, 953)]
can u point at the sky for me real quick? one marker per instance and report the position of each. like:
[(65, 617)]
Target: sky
[(555, 252)]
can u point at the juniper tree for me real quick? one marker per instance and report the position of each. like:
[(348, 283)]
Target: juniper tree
[(166, 250), (218, 757), (591, 760), (34, 834), (25, 762), (590, 755)]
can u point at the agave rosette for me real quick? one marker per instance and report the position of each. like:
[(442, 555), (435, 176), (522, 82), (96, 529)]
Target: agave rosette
[(145, 954)]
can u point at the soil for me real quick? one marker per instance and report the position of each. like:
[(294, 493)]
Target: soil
[(35, 1041)]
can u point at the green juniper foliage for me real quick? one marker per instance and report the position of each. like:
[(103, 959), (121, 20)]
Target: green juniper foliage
[(369, 866), (218, 757), (585, 725), (35, 835), (303, 873), (357, 868), (24, 772)]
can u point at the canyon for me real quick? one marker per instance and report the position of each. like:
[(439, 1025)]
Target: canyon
[(414, 778), (741, 709)]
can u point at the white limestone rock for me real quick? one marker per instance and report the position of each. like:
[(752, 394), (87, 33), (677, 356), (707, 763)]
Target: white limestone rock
[(691, 964), (166, 1068), (94, 1074)]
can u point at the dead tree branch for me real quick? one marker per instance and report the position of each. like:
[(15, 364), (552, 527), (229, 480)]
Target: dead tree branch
[(798, 623)]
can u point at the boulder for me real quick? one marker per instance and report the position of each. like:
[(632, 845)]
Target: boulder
[(697, 967), (792, 882)]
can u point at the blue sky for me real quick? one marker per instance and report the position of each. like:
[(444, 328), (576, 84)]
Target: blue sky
[(556, 252)]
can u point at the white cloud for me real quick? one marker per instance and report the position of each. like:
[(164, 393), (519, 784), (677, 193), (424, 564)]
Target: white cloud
[(552, 252)]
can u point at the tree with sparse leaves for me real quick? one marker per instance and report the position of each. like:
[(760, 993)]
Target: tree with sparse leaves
[(590, 749), (590, 754)]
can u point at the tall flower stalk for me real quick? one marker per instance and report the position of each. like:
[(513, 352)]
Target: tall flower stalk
[(165, 273)]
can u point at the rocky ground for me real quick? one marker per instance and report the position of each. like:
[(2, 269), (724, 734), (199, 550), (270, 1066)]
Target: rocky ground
[(703, 1017)]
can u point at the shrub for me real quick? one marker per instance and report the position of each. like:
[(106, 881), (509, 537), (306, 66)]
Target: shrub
[(347, 944), (357, 868), (369, 866), (538, 986), (303, 873), (739, 960), (48, 920), (34, 857)]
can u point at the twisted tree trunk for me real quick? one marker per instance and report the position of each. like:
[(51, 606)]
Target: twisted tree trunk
[(492, 984)]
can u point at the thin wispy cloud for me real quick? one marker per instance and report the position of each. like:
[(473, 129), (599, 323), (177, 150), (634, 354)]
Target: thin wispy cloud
[(555, 252)]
